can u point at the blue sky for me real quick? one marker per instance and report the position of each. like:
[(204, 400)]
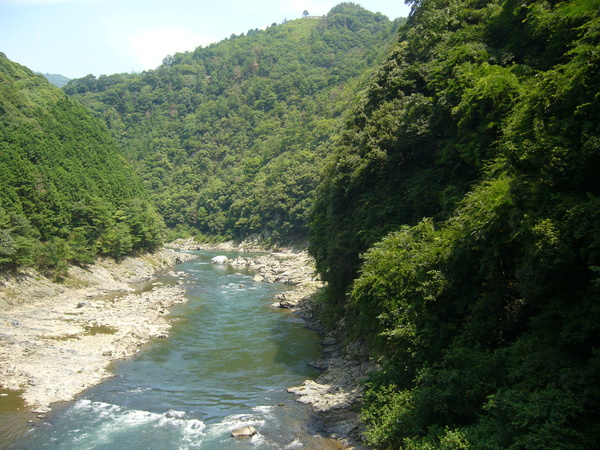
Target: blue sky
[(78, 37)]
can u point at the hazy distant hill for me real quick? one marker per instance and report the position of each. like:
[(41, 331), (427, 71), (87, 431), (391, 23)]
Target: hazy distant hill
[(56, 79)]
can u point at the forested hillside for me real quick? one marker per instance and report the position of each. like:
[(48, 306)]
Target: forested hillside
[(458, 228), (230, 139), (66, 193)]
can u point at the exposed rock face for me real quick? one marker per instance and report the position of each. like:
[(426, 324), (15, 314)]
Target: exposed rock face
[(252, 244), (335, 393), (294, 269)]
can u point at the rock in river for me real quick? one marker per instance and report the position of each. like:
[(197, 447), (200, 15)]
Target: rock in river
[(221, 259), (246, 431)]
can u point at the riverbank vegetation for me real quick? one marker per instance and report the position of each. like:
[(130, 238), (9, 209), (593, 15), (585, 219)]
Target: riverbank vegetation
[(458, 228)]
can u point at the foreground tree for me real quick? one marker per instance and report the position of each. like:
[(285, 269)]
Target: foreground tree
[(484, 315)]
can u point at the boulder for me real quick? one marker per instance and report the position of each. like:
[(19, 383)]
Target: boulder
[(246, 431), (221, 259)]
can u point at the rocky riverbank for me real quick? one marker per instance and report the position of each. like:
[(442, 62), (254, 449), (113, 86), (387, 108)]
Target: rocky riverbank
[(56, 340), (248, 245), (336, 393)]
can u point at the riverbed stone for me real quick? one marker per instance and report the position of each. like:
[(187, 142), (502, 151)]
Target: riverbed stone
[(58, 350), (246, 431), (221, 259)]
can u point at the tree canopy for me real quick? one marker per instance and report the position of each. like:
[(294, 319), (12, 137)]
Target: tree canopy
[(458, 228), (230, 139), (448, 174), (66, 193)]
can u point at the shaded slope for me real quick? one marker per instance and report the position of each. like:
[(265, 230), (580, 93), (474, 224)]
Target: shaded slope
[(458, 228)]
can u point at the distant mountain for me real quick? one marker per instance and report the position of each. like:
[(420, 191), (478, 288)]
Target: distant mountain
[(56, 79), (231, 139), (66, 193)]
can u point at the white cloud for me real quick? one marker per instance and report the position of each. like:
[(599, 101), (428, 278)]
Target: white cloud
[(149, 47)]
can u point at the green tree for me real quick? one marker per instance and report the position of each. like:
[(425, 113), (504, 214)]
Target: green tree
[(457, 227)]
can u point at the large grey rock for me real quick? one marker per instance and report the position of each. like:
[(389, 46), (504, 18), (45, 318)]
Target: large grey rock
[(246, 431), (221, 259)]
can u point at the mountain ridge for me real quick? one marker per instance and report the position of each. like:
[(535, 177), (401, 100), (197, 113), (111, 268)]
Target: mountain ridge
[(229, 138)]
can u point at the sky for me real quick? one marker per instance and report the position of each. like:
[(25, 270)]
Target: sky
[(75, 38)]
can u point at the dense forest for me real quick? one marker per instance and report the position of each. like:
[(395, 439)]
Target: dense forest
[(66, 192), (230, 139), (458, 228), (445, 169)]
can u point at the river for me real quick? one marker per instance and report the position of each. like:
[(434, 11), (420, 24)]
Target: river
[(227, 362)]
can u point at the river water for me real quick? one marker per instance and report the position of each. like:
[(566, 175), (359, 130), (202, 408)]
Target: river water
[(227, 363)]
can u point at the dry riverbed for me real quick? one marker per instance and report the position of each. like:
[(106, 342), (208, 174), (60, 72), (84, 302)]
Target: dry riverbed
[(56, 340)]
